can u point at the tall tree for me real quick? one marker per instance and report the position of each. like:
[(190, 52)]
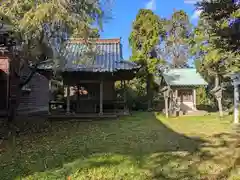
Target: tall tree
[(41, 28), (223, 16), (208, 59), (214, 43), (147, 31), (175, 46)]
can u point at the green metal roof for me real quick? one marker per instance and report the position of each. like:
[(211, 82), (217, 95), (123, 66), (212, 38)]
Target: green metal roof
[(183, 77)]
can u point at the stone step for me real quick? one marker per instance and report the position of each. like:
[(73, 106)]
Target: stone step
[(196, 113)]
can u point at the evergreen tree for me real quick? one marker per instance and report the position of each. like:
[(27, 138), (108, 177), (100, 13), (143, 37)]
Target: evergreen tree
[(147, 30)]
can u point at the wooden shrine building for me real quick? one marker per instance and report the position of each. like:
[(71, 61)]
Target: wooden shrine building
[(179, 89), (90, 87), (31, 97)]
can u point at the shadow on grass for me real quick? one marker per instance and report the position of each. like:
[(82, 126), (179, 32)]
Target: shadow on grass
[(136, 147)]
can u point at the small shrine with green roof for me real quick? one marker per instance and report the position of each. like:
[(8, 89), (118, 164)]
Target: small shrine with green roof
[(179, 89)]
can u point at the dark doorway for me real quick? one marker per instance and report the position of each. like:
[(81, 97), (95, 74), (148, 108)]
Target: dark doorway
[(3, 90)]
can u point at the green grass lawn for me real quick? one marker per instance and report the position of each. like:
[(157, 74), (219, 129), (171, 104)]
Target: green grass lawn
[(141, 147)]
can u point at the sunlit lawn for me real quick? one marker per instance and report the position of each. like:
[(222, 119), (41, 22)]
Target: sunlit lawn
[(143, 146)]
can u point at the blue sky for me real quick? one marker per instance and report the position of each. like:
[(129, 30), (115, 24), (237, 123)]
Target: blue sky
[(125, 11)]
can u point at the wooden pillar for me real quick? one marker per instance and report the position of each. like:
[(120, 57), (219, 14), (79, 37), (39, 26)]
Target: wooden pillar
[(166, 93), (68, 99), (50, 95), (176, 112), (77, 103), (194, 98), (125, 97), (166, 107), (175, 96), (101, 98), (8, 86), (121, 84), (236, 104), (176, 93)]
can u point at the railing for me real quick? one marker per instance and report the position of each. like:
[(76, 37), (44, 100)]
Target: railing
[(57, 106), (108, 106)]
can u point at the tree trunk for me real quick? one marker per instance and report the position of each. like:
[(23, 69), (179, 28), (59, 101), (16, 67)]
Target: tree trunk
[(219, 97), (17, 82), (217, 82), (149, 91), (220, 108), (236, 104), (13, 101), (15, 85)]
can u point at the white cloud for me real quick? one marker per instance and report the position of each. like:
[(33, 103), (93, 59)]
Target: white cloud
[(191, 1), (196, 14), (151, 4)]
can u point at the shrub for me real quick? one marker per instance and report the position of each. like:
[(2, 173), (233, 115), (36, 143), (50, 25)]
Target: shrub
[(205, 100)]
